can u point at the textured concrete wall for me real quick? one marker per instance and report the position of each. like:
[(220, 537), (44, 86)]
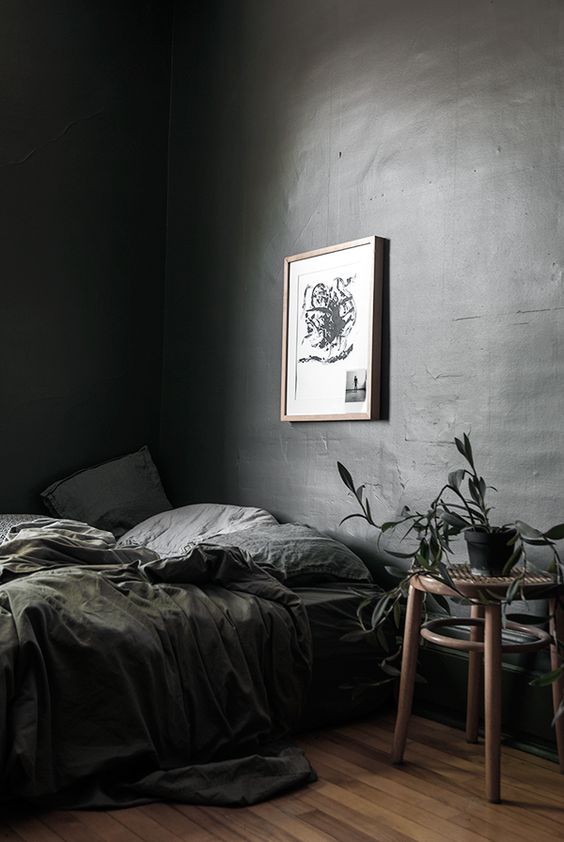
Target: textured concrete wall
[(84, 96), (435, 124)]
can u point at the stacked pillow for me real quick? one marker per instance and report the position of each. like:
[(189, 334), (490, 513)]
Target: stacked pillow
[(113, 496)]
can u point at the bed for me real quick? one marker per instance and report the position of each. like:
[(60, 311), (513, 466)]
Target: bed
[(174, 662)]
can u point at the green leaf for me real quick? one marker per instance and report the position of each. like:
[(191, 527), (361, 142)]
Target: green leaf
[(379, 611), (468, 449), (440, 600), (456, 477), (348, 517), (548, 677), (454, 520), (397, 614), (389, 669), (513, 589), (402, 555), (396, 572), (361, 606), (346, 477), (526, 619), (512, 560), (445, 574), (460, 447), (381, 639), (527, 531), (559, 712), (555, 533), (390, 524), (354, 636), (435, 548), (473, 488)]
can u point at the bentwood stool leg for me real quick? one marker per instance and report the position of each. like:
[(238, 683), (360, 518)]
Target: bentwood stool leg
[(557, 632), (408, 670), (492, 698), (475, 663)]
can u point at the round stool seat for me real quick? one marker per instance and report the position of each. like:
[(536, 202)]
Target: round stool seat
[(541, 638)]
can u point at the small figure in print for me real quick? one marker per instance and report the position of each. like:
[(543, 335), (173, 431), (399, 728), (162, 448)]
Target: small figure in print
[(355, 386)]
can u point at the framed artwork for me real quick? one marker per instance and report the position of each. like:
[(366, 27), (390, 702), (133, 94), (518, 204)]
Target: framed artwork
[(331, 336)]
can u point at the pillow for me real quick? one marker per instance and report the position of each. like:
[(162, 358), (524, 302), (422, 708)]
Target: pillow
[(170, 533), (113, 496), (7, 521), (299, 553)]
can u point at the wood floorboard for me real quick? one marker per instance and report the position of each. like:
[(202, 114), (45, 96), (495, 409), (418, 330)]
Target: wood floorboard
[(436, 795)]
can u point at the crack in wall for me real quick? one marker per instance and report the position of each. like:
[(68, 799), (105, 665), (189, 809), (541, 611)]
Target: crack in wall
[(60, 136)]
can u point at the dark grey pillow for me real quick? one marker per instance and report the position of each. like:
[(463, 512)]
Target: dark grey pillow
[(114, 496), (7, 521), (298, 553)]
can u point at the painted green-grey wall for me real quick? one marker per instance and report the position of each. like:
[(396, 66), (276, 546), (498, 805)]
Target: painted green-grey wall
[(435, 124), (84, 101)]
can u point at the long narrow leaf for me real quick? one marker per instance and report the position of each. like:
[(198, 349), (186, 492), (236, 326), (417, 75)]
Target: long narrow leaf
[(379, 611), (346, 477), (547, 678), (460, 447), (555, 533), (513, 589), (396, 572), (526, 619), (402, 555), (512, 560), (527, 531), (455, 477), (440, 600), (468, 449), (349, 517), (559, 713), (454, 520)]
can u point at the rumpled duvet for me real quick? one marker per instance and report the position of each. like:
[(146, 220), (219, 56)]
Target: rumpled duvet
[(126, 677)]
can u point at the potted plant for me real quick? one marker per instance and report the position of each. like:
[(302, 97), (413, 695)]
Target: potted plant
[(461, 506)]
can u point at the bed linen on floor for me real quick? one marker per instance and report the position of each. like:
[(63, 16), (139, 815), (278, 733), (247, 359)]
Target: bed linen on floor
[(126, 677)]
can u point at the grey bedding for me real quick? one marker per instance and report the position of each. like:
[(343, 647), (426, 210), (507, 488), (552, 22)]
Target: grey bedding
[(126, 677), (297, 554)]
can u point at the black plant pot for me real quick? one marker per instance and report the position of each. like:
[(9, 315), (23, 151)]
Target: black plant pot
[(489, 552)]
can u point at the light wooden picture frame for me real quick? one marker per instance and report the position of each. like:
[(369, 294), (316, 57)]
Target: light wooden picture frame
[(332, 333)]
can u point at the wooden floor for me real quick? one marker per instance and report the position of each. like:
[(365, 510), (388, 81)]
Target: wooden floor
[(359, 797)]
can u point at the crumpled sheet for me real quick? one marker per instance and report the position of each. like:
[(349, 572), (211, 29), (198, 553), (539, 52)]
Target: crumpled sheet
[(127, 678)]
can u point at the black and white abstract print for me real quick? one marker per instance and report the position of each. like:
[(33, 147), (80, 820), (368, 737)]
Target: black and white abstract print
[(328, 314)]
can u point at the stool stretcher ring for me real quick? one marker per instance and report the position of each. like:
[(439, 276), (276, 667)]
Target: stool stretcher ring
[(541, 641)]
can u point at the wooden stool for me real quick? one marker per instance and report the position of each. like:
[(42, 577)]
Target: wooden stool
[(485, 640)]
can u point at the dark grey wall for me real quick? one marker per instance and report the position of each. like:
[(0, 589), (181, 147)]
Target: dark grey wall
[(435, 124), (84, 97)]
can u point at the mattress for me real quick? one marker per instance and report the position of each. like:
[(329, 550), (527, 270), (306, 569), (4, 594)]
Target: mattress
[(345, 672)]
